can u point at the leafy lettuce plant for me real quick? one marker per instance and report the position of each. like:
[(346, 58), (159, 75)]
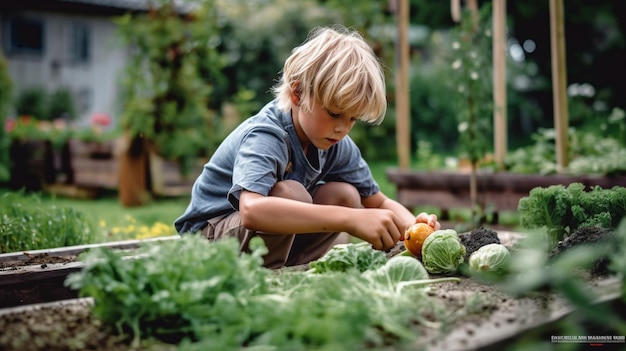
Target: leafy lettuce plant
[(401, 272), (343, 257)]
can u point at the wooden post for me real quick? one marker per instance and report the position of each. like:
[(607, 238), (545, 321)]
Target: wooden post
[(559, 83), (403, 130), (133, 167), (499, 82)]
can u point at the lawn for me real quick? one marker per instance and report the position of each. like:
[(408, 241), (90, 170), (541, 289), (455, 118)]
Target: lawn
[(110, 220)]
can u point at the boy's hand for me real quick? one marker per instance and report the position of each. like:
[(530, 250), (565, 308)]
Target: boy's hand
[(430, 219), (379, 227)]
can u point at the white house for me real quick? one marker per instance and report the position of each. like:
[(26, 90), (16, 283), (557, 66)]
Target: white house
[(67, 44)]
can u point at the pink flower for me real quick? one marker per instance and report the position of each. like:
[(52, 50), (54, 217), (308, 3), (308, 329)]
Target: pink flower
[(100, 119), (9, 125)]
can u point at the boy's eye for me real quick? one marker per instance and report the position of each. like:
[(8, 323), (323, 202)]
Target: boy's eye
[(333, 115)]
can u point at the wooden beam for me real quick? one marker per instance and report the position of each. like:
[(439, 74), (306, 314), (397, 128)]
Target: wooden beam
[(403, 127), (499, 82), (559, 82)]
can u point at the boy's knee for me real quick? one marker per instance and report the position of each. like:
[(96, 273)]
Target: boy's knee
[(337, 193), (290, 189)]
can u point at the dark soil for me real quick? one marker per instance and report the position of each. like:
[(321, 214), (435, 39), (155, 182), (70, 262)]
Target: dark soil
[(486, 315), (40, 259), (587, 236), (57, 326), (478, 238)]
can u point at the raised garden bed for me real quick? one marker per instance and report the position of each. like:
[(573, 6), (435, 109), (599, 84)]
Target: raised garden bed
[(37, 276), (502, 190), (94, 164), (488, 318)]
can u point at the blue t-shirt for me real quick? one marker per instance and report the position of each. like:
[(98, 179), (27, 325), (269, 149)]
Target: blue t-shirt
[(261, 151)]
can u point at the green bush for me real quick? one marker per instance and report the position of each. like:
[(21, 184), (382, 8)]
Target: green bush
[(5, 100), (433, 115), (61, 105), (588, 152), (25, 224), (32, 102), (40, 104)]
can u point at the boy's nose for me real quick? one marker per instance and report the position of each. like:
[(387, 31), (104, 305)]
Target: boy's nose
[(342, 128)]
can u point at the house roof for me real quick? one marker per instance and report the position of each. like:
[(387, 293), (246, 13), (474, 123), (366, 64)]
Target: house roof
[(124, 4), (107, 7), (121, 4)]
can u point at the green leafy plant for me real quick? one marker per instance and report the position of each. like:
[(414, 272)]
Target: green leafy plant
[(32, 102), (589, 152), (206, 295), (61, 105), (595, 308), (26, 128), (471, 81), (442, 252), (491, 258), (560, 210), (25, 224), (343, 257), (166, 96), (6, 91)]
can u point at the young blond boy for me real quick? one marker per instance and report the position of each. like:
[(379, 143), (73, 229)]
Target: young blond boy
[(291, 174)]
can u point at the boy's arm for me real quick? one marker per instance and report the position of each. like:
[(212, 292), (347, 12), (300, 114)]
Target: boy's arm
[(381, 227)]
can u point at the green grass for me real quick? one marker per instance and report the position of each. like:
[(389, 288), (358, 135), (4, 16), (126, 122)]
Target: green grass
[(27, 225), (110, 219), (108, 209)]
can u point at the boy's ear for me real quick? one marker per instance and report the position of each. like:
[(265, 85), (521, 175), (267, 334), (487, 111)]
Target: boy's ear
[(295, 93)]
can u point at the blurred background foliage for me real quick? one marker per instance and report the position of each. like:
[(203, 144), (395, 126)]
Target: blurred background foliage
[(256, 37), (236, 48)]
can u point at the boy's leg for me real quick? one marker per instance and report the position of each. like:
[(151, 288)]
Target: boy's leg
[(229, 225), (284, 249), (279, 245), (309, 247)]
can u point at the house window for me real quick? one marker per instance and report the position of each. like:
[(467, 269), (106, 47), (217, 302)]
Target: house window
[(80, 43), (24, 36)]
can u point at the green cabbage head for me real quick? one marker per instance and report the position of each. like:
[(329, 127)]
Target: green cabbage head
[(489, 258), (442, 252), (402, 268)]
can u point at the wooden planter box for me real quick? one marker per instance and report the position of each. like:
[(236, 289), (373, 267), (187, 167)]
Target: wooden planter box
[(502, 190), (37, 276), (32, 164), (94, 164)]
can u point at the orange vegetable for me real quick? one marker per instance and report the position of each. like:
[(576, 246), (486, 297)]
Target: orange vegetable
[(414, 238)]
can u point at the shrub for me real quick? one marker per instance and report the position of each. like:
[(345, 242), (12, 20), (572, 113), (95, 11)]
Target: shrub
[(27, 225), (5, 99), (61, 105), (32, 102)]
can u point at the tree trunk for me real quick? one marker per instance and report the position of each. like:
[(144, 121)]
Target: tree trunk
[(133, 189)]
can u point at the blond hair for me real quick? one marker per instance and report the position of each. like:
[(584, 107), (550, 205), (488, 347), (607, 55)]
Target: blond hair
[(338, 69)]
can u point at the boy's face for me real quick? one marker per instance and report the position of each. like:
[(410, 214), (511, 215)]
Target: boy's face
[(323, 127)]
